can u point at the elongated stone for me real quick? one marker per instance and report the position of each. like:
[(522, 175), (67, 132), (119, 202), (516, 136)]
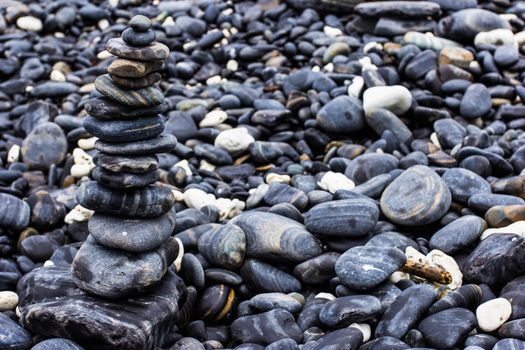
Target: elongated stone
[(504, 215), (124, 130), (146, 97), (344, 311), (131, 235), (112, 273), (224, 247), (398, 8), (133, 69), (137, 83), (276, 238), (121, 164), (455, 322), (106, 108), (160, 144), (458, 234), (155, 51), (119, 181), (150, 201), (14, 213)]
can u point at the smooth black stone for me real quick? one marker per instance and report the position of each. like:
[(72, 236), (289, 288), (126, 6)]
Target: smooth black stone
[(222, 276), (121, 164), (344, 311), (266, 328), (122, 181), (112, 273), (513, 329), (349, 338), (382, 119), (477, 164), (283, 344), (283, 193), (132, 235), (192, 271), (456, 323), (266, 152), (14, 213), (53, 89), (363, 268), (482, 202), (317, 270), (463, 25), (135, 38), (342, 218), (224, 246), (149, 96), (496, 260), (484, 341), (392, 239), (369, 165), (105, 108), (459, 234), (449, 132), (270, 301), (57, 344), (506, 55), (39, 248), (467, 296), (124, 130), (213, 154), (140, 23), (416, 197), (275, 238), (215, 303), (152, 52), (160, 144), (262, 277), (13, 336), (150, 201), (137, 83), (463, 184), (509, 344), (193, 26), (476, 102), (385, 343), (421, 64), (344, 114), (44, 146), (52, 306), (405, 311), (398, 9)]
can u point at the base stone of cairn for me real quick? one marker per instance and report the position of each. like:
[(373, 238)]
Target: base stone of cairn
[(121, 291)]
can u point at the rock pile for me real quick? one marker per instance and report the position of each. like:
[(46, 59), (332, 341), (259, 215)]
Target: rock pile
[(129, 248)]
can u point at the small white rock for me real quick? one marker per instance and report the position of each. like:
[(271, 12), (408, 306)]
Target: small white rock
[(332, 182), (356, 87), (493, 313), (196, 198), (213, 118), (372, 45), (398, 276), (204, 165), (273, 177), (80, 170), (179, 196), (29, 23), (186, 166), (8, 300), (518, 228), (364, 328), (14, 154), (396, 99), (104, 54), (256, 195), (87, 144), (232, 65), (103, 24), (448, 264), (180, 254), (324, 295), (78, 214), (234, 140), (57, 75), (495, 37), (331, 31), (48, 263)]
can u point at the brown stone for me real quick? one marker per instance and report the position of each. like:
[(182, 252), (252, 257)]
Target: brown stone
[(154, 51), (133, 69), (504, 215), (456, 56), (137, 83)]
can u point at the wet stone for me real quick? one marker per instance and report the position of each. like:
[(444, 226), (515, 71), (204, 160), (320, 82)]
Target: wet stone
[(121, 164), (12, 335), (317, 270), (344, 311), (124, 130), (344, 114), (224, 246), (269, 301), (132, 235), (263, 277), (14, 213), (349, 338), (109, 273), (146, 97), (459, 234), (363, 268), (456, 322), (369, 165), (56, 344), (417, 197)]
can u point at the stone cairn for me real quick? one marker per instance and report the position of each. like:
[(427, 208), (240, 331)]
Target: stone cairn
[(130, 247)]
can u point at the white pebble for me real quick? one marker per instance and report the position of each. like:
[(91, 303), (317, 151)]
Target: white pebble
[(232, 65), (517, 228), (520, 38), (8, 300), (103, 24), (396, 99), (495, 37), (324, 295), (87, 144), (448, 264), (331, 31), (29, 23), (186, 166), (80, 170), (104, 54), (204, 165), (78, 214), (364, 328), (332, 182), (372, 45), (213, 118), (234, 140), (180, 254), (493, 313), (179, 196), (216, 79), (48, 263), (398, 276), (356, 87), (14, 154), (57, 75), (196, 198), (273, 177)]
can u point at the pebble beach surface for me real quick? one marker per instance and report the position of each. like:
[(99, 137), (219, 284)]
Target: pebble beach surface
[(262, 175)]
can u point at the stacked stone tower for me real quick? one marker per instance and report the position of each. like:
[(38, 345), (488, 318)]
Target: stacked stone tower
[(129, 247)]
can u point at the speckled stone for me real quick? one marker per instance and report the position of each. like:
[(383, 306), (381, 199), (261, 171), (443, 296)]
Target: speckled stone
[(133, 69), (146, 97)]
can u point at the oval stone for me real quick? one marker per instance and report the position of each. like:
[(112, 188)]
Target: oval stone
[(342, 218), (124, 130), (459, 234), (369, 165), (44, 146), (14, 212), (343, 114), (416, 197), (456, 323), (224, 246), (363, 268), (344, 311)]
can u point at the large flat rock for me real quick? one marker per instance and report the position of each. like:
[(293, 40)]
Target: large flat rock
[(51, 305)]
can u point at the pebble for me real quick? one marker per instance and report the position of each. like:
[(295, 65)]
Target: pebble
[(44, 146), (459, 234), (493, 313), (344, 114), (8, 300), (57, 343), (15, 213), (402, 200), (13, 335), (29, 23), (333, 182), (476, 102), (344, 311), (397, 99), (464, 184), (457, 322)]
